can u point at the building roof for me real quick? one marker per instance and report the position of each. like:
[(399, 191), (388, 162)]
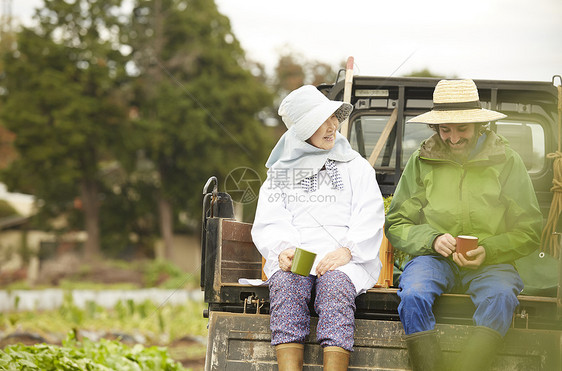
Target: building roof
[(13, 221)]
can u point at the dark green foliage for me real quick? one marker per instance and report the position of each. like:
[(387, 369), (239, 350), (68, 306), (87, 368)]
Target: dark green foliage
[(160, 273), (400, 257), (7, 210), (86, 355), (63, 101), (122, 111), (128, 221), (425, 72), (197, 102), (65, 105)]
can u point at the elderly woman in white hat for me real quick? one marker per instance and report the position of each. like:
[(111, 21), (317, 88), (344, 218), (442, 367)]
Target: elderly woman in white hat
[(323, 197), (464, 180)]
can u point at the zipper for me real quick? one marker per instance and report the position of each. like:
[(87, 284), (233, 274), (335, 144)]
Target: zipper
[(462, 181)]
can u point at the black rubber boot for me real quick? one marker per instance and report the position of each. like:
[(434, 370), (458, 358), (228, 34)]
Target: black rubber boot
[(480, 350), (425, 353)]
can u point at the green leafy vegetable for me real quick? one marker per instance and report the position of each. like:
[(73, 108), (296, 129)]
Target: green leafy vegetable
[(85, 354)]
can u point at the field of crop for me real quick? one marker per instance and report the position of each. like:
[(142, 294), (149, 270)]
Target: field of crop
[(144, 334)]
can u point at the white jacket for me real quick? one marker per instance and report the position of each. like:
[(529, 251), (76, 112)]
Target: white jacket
[(324, 220)]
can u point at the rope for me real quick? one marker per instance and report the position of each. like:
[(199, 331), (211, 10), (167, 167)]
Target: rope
[(549, 237)]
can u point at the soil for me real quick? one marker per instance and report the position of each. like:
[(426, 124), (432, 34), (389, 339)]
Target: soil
[(188, 351), (70, 267)]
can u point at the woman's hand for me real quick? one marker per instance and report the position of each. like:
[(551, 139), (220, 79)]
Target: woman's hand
[(286, 259), (478, 255), (333, 259), (445, 244)]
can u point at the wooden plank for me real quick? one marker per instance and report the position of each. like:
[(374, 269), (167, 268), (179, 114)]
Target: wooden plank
[(231, 275), (347, 88), (237, 285), (236, 231), (235, 264), (263, 276), (384, 137), (386, 255), (240, 251), (239, 256), (242, 342)]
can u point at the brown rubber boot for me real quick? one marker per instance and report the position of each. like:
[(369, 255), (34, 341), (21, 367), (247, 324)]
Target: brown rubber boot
[(336, 359), (289, 356)]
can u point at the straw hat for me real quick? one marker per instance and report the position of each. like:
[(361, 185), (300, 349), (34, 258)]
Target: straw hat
[(306, 108), (456, 102)]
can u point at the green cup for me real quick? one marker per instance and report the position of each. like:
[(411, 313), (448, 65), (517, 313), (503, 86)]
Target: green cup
[(302, 262)]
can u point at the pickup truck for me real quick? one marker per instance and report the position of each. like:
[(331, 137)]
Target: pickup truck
[(239, 335)]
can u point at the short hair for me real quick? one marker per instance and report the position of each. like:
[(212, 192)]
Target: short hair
[(481, 127)]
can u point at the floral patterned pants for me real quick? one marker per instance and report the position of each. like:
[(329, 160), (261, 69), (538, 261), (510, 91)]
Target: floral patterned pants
[(290, 296)]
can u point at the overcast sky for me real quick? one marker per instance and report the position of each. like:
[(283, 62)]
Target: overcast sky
[(480, 39), (488, 39)]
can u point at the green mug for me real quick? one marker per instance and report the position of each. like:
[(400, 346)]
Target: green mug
[(302, 262)]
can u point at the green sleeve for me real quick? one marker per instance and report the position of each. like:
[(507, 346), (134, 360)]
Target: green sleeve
[(523, 218), (405, 226)]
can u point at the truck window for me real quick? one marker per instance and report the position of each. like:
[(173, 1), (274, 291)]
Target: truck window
[(414, 134), (366, 131), (527, 138)]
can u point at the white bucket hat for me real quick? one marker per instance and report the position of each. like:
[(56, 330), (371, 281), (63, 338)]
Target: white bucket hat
[(306, 109), (456, 102)]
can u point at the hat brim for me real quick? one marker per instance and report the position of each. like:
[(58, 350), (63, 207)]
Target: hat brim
[(321, 113), (343, 111), (479, 115)]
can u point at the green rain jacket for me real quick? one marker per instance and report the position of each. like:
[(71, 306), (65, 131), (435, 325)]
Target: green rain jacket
[(489, 196)]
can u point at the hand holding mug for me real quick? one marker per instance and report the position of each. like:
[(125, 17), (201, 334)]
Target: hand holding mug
[(466, 244), (286, 259), (445, 244), (303, 261), (474, 259)]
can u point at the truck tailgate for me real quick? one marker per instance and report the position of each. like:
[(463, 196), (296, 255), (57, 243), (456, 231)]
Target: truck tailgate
[(242, 342)]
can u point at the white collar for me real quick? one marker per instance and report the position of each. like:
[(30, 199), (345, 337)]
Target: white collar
[(303, 159)]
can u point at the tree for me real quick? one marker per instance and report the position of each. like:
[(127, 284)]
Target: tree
[(64, 104), (293, 71), (7, 150), (425, 72), (321, 72), (289, 73), (197, 101)]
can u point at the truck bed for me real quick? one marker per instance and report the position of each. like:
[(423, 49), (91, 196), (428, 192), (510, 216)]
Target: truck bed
[(239, 335)]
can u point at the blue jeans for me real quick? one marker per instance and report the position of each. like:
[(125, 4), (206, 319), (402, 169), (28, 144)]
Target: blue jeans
[(492, 288)]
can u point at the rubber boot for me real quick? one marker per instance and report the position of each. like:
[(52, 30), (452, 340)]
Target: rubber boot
[(290, 356), (336, 359), (425, 353), (480, 350)]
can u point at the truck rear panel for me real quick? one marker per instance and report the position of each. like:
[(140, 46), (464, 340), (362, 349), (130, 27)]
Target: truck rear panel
[(239, 335), (242, 342)]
